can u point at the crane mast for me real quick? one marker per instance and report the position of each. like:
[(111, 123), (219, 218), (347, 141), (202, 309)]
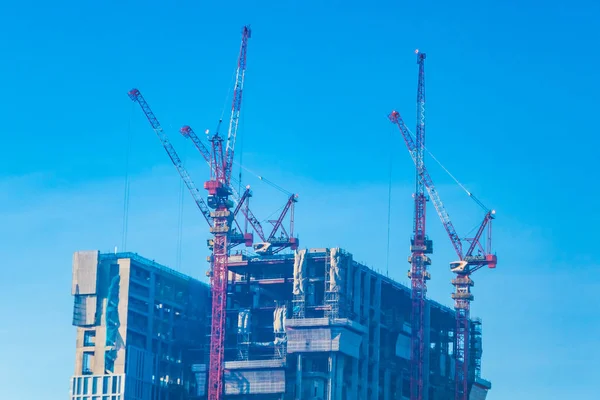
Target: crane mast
[(463, 297), (420, 246), (219, 190)]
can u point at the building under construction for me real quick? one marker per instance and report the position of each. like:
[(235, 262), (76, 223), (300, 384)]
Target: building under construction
[(312, 324)]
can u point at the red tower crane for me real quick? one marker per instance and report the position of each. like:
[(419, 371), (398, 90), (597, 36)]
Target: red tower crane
[(220, 219), (467, 264), (219, 190), (420, 247)]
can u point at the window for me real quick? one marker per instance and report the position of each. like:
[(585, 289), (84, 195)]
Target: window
[(89, 338), (138, 289), (105, 386), (87, 363), (85, 386), (95, 385)]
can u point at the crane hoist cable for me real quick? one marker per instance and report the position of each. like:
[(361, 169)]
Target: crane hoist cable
[(389, 213), (467, 191), (127, 181), (265, 180)]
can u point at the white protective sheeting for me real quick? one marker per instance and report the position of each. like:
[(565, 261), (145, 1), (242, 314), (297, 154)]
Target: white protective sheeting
[(244, 321), (334, 270), (299, 272), (254, 382), (85, 265), (478, 393), (403, 346), (279, 319)]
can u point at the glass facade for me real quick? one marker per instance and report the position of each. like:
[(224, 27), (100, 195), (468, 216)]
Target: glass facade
[(100, 387)]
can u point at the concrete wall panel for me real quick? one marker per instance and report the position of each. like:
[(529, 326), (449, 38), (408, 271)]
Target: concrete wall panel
[(254, 382), (85, 265)]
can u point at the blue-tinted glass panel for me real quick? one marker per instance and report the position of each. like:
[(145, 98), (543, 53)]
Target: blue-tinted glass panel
[(95, 385), (105, 386), (87, 362), (89, 338)]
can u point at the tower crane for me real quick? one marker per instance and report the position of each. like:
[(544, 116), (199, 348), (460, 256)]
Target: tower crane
[(466, 265), (420, 247), (269, 244), (219, 219)]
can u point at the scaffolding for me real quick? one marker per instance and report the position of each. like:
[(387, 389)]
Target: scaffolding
[(280, 341), (299, 290), (477, 347), (332, 284), (244, 327)]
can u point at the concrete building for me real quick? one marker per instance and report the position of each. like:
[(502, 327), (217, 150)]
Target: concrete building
[(140, 327), (318, 325), (310, 325)]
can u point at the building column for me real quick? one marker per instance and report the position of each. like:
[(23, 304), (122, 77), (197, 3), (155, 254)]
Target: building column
[(375, 384), (339, 378), (354, 382), (366, 355), (426, 356), (387, 381), (299, 378), (357, 294), (331, 381)]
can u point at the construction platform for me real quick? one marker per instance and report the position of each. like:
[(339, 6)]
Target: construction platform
[(314, 324)]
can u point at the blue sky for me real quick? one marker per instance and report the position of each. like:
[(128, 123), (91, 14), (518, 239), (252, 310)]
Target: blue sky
[(511, 106)]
